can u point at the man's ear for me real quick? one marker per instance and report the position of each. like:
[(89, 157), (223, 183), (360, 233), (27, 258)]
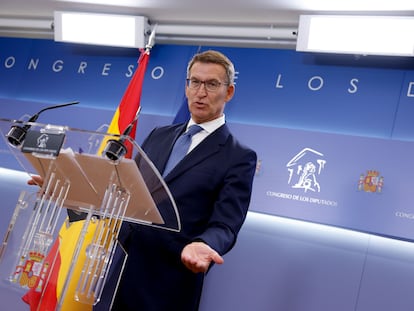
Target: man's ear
[(230, 92)]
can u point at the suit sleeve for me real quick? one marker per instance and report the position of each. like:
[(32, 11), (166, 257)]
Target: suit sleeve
[(231, 208)]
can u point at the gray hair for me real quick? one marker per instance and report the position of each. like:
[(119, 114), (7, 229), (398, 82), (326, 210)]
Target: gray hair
[(214, 57)]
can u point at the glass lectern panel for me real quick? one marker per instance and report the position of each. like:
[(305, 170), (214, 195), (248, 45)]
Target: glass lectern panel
[(88, 174)]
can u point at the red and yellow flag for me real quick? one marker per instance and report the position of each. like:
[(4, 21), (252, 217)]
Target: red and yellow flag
[(130, 104), (60, 256)]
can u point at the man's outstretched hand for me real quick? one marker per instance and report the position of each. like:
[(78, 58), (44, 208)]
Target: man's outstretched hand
[(197, 256)]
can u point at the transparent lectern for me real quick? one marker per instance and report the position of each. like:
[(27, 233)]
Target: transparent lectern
[(84, 174)]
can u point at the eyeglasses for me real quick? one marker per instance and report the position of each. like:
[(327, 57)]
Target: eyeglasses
[(211, 85)]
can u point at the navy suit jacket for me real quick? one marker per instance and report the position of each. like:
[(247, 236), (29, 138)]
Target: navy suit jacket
[(212, 187)]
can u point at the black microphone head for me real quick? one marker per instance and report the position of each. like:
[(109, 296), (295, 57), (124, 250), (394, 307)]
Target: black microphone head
[(115, 149), (17, 134)]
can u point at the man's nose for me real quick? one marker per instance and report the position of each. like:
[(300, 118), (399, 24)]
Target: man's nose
[(202, 88)]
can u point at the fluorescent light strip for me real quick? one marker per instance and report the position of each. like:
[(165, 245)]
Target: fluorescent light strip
[(100, 29), (366, 35)]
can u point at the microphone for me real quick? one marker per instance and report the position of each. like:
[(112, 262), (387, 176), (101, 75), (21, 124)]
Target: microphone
[(115, 149), (17, 134)]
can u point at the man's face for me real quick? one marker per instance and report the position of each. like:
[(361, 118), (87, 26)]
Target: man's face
[(207, 105)]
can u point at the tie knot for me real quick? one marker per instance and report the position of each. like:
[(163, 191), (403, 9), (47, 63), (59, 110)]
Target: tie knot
[(193, 129)]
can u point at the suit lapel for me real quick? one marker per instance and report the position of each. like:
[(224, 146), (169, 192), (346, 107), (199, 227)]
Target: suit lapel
[(163, 157), (210, 145)]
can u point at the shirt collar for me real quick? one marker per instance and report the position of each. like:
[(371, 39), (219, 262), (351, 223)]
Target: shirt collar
[(210, 126)]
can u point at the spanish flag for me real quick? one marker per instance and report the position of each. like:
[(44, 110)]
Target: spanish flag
[(130, 104), (48, 296)]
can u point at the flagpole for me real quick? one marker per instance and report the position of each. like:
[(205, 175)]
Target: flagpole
[(151, 40)]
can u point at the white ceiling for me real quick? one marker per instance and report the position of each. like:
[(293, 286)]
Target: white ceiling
[(217, 13)]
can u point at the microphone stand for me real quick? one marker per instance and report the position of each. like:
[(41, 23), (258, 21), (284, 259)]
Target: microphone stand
[(17, 134)]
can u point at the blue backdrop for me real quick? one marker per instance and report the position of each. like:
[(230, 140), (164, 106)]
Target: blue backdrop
[(333, 134)]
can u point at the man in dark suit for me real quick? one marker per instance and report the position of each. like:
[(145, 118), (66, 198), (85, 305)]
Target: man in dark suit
[(211, 187)]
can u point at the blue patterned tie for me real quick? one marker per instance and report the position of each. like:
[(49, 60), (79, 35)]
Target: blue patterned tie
[(180, 148)]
